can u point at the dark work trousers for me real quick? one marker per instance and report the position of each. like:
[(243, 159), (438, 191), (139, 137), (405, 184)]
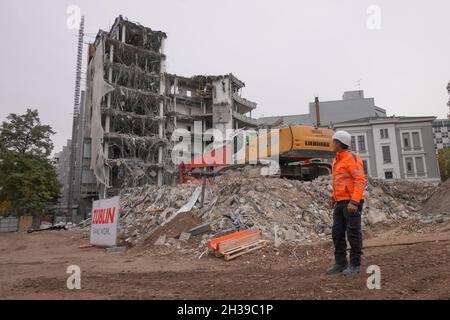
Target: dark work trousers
[(343, 223)]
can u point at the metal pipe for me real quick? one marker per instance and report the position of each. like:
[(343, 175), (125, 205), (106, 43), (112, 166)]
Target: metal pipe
[(317, 112)]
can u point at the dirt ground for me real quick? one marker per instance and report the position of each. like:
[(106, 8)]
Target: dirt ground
[(414, 262)]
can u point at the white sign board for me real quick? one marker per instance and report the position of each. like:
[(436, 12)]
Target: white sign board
[(105, 217)]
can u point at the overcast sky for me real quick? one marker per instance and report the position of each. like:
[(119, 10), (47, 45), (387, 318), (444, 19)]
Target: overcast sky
[(285, 51)]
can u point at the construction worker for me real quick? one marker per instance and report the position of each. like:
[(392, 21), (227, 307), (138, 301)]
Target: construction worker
[(347, 199)]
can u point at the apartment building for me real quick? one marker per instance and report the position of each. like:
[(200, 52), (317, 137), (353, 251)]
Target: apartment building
[(394, 147)]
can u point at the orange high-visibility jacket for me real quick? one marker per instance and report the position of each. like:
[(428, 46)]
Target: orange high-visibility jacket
[(349, 180)]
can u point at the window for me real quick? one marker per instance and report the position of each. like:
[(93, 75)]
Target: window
[(409, 167), (361, 144), (411, 140), (353, 143), (416, 141), (420, 168), (388, 175), (384, 133), (386, 154), (365, 167), (406, 141)]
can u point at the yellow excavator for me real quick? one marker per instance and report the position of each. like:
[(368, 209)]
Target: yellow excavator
[(301, 152)]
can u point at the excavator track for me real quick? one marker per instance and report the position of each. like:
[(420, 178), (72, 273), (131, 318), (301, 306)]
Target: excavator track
[(305, 171)]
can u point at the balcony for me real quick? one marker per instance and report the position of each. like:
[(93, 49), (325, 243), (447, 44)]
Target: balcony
[(244, 105), (244, 120)]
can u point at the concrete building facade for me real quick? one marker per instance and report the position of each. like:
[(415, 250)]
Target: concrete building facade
[(61, 161), (394, 147)]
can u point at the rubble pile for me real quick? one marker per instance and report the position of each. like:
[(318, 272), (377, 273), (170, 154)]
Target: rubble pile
[(145, 209), (412, 192), (437, 208), (284, 210)]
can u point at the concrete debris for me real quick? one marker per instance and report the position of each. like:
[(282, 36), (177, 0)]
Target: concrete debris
[(436, 218), (376, 216), (161, 240), (439, 203), (184, 236), (411, 191), (284, 210), (200, 229), (192, 201), (276, 241)]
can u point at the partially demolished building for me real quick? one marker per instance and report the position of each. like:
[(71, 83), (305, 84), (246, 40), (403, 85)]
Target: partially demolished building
[(133, 106)]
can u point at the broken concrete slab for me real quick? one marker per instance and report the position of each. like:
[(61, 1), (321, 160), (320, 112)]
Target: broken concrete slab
[(184, 236), (376, 216), (187, 207), (194, 198), (288, 235), (200, 229), (277, 240), (161, 240)]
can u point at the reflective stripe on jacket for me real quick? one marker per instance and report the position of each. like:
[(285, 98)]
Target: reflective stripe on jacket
[(349, 180)]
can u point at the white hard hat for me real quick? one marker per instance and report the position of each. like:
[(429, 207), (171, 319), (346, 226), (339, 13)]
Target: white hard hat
[(344, 137)]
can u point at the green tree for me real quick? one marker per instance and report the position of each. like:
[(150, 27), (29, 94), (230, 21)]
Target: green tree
[(28, 181), (444, 163), (25, 134)]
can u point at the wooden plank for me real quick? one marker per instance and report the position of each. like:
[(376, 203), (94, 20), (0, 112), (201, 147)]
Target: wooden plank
[(229, 257), (249, 248), (237, 242), (246, 246), (252, 244)]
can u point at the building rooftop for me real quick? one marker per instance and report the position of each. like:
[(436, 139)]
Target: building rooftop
[(369, 120)]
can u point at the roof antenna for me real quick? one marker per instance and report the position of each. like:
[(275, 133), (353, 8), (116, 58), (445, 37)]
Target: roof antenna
[(359, 84)]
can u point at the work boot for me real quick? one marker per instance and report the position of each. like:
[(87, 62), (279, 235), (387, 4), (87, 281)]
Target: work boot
[(350, 271), (336, 269)]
